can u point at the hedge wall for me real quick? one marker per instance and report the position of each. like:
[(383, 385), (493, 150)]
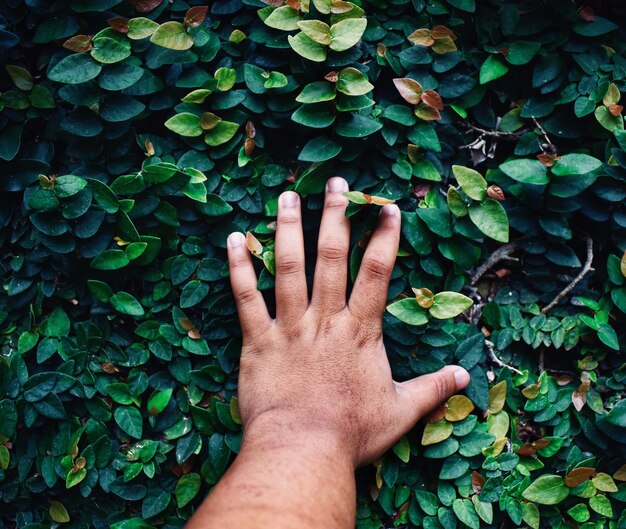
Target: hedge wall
[(136, 134)]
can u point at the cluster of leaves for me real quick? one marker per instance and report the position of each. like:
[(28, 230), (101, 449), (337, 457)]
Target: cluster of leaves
[(136, 134)]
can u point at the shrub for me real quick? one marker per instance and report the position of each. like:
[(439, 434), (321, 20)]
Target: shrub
[(137, 134)]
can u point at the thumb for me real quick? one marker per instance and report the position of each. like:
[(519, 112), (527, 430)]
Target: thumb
[(422, 395)]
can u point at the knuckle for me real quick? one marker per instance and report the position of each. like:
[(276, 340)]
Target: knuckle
[(332, 252), (288, 219), (442, 386), (377, 268), (246, 295), (335, 201), (288, 266)]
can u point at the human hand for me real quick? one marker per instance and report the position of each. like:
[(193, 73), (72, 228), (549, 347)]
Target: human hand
[(320, 368)]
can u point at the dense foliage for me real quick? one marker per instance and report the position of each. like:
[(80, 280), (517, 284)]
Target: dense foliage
[(136, 134)]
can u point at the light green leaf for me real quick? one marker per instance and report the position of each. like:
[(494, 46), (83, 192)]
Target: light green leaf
[(526, 171), (472, 183), (317, 92), (159, 401), (185, 124), (306, 47), (126, 304), (546, 490), (435, 432), (173, 36), (141, 28), (408, 311), (187, 488), (346, 33), (353, 82), (492, 69), (449, 305), (284, 18), (465, 512), (221, 133), (317, 30), (490, 217)]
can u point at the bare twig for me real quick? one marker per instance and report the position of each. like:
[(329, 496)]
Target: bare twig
[(502, 253), (495, 133), (548, 146), (491, 355), (585, 270)]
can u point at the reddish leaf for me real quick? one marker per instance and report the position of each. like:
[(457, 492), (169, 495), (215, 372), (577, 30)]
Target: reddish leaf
[(615, 110), (421, 190), (119, 24), (250, 129), (495, 192), (379, 201), (504, 51), (548, 159), (477, 482), (427, 113), (381, 50), (108, 367), (194, 334), (526, 450), (273, 3), (186, 323), (78, 43), (422, 37), (541, 443), (409, 89), (442, 32), (579, 400), (502, 272), (579, 475), (332, 77), (248, 146), (295, 4), (587, 13), (145, 6), (195, 16), (432, 99)]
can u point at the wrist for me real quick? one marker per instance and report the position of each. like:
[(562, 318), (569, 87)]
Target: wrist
[(300, 437)]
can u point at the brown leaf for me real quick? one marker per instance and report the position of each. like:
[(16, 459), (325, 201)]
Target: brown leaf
[(274, 3), (194, 334), (381, 50), (502, 272), (78, 43), (421, 190), (442, 32), (149, 147), (548, 159), (248, 146), (587, 13), (427, 113), (339, 6), (477, 482), (295, 4), (413, 152), (422, 37), (378, 201), (531, 391), (579, 400), (424, 297), (495, 192), (541, 443), (579, 475), (332, 77), (250, 129), (432, 99), (615, 110), (119, 24), (620, 475), (108, 367), (526, 450), (209, 120), (409, 89), (196, 16), (365, 240), (145, 6), (186, 323), (445, 45), (504, 51), (253, 244), (80, 462), (458, 408), (563, 380)]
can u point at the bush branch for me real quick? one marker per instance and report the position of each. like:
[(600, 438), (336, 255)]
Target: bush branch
[(585, 270), (502, 253), (491, 355)]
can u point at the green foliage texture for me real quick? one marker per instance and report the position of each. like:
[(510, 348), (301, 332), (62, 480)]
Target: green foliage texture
[(136, 134)]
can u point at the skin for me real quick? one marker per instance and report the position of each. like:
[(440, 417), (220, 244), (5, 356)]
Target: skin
[(316, 394)]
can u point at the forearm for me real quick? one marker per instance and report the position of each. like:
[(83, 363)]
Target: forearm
[(283, 478)]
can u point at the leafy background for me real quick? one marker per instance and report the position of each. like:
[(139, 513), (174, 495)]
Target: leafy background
[(136, 134)]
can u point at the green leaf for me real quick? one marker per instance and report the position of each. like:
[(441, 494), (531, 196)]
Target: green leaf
[(68, 185), (57, 324), (75, 69), (319, 149), (607, 120), (465, 512), (608, 336), (472, 183), (110, 50), (306, 47), (403, 449), (223, 132), (346, 33), (316, 115), (58, 512), (317, 92), (185, 124), (141, 28), (284, 18), (353, 82), (573, 164), (546, 490), (159, 401), (26, 341), (197, 96), (492, 69), (110, 260), (408, 311), (5, 457), (129, 420), (155, 502), (193, 293), (187, 488), (316, 30), (530, 514), (526, 171), (449, 305), (126, 304), (490, 217), (74, 478), (579, 513), (173, 36), (436, 432), (521, 52)]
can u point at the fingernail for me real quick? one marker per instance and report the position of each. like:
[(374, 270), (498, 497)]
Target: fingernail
[(461, 378), (336, 185), (235, 240), (391, 210), (289, 199)]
